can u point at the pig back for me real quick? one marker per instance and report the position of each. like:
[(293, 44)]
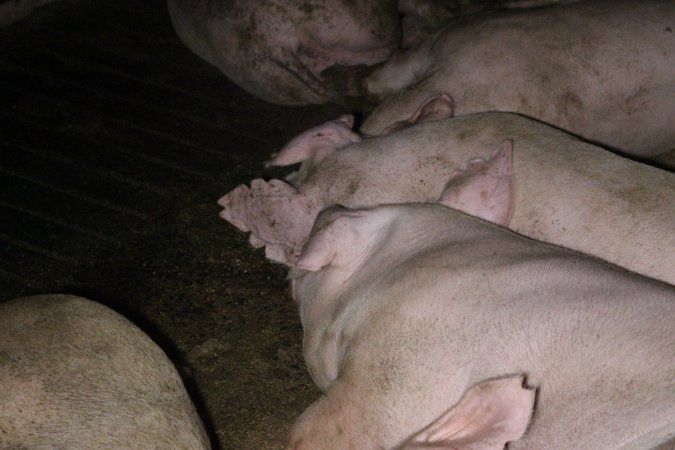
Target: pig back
[(77, 375), (601, 70)]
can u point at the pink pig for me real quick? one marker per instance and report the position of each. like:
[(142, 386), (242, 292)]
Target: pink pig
[(603, 70), (565, 191), (421, 323)]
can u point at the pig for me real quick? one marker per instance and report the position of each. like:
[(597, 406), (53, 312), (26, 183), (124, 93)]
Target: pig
[(602, 70), (566, 191), (14, 10), (420, 19), (77, 375), (428, 328), (277, 50)]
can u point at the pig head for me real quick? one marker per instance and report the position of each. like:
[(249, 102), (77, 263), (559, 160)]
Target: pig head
[(601, 70), (426, 328), (277, 50), (77, 375), (564, 191)]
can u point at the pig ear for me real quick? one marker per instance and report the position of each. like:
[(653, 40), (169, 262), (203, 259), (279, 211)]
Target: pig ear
[(436, 108), (338, 237), (318, 253), (485, 188), (276, 214), (317, 143), (489, 415)]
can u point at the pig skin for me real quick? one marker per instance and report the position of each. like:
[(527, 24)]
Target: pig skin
[(406, 307), (77, 375), (567, 192), (277, 50), (602, 70)]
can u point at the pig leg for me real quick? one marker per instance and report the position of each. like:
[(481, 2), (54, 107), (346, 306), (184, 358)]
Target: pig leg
[(489, 415), (277, 215), (484, 188)]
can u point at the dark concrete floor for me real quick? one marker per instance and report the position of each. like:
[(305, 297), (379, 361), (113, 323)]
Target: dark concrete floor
[(116, 144)]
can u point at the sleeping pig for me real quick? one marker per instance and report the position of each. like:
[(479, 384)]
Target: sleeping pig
[(602, 70), (277, 50), (77, 375), (565, 191), (430, 329)]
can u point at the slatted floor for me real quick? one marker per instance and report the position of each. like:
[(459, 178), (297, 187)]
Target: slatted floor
[(116, 144)]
